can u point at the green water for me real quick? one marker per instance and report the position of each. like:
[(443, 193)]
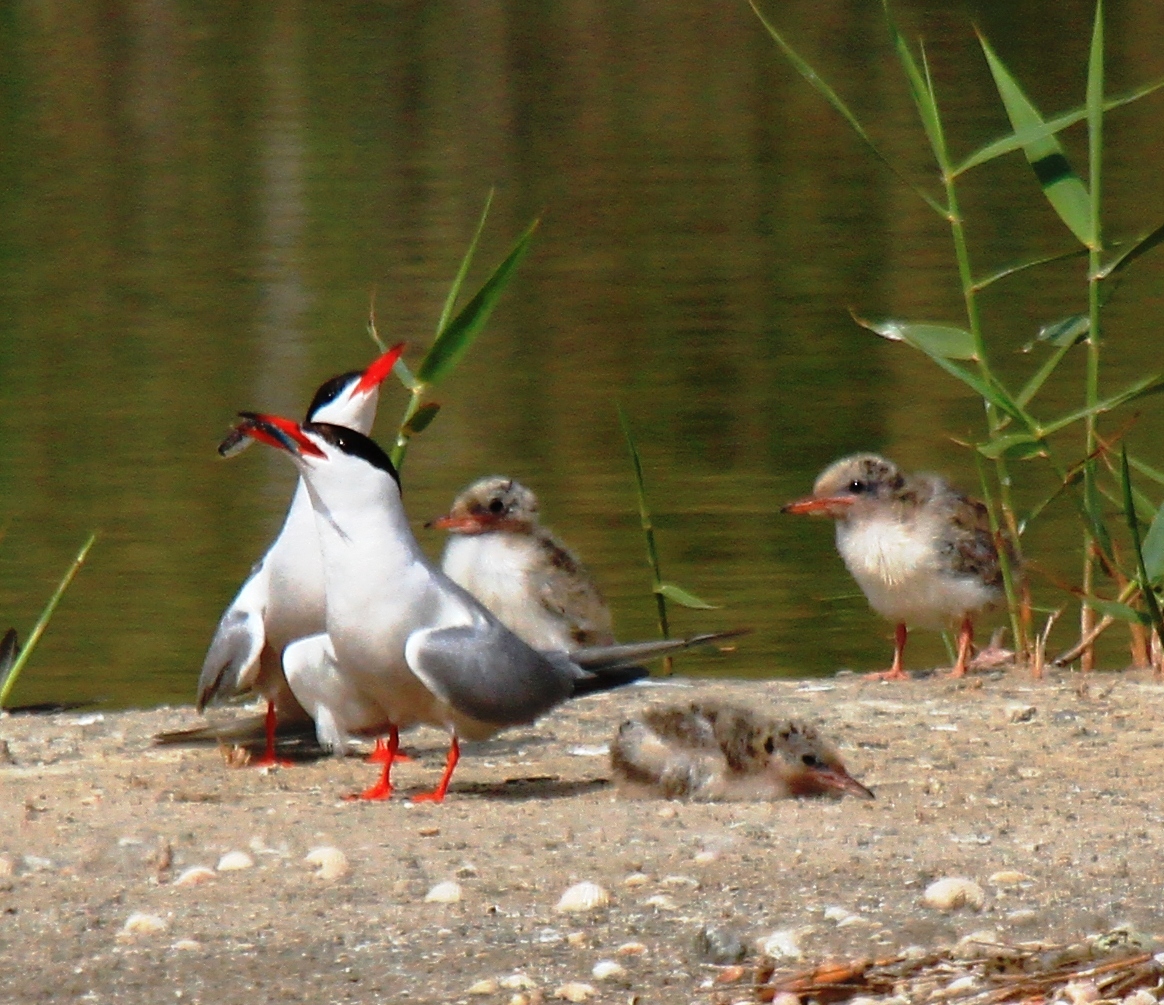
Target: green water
[(197, 201)]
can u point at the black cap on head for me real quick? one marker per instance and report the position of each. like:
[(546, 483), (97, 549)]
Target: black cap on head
[(331, 389), (356, 444)]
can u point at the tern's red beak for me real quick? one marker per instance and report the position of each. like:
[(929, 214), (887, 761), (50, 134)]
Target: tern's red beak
[(275, 431), (460, 524), (820, 505), (379, 369), (839, 780)]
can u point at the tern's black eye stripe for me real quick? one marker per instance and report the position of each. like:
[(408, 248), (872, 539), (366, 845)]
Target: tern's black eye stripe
[(356, 445)]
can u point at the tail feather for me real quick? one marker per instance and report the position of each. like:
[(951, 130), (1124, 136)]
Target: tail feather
[(628, 654), (251, 729), (607, 680)]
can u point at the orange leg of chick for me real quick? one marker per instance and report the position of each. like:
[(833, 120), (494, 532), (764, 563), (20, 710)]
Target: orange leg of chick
[(269, 760), (383, 788), (438, 794), (965, 642), (380, 753), (897, 671)]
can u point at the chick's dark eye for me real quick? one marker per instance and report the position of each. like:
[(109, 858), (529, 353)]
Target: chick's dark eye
[(856, 486), (811, 761), (496, 506)]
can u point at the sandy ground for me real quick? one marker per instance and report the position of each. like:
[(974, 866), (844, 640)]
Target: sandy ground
[(1058, 780)]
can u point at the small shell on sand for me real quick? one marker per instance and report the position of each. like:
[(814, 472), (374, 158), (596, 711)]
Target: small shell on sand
[(636, 879), (783, 944), (187, 945), (605, 970), (584, 896), (952, 893), (485, 987), (194, 875), (575, 992), (705, 858), (661, 902), (1008, 877), (447, 892), (330, 863), (140, 923), (233, 861), (631, 949), (517, 982)]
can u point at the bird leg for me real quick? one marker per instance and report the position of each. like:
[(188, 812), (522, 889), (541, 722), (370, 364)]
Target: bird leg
[(897, 671), (965, 643), (269, 760), (438, 794), (383, 788), (380, 753)]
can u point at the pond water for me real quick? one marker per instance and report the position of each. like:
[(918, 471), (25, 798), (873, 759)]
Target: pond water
[(197, 202)]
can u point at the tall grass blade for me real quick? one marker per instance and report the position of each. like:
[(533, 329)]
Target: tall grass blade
[(1140, 389), (1141, 247), (1013, 446), (1145, 580), (1039, 377), (946, 341), (458, 280), (1061, 185), (1153, 550), (458, 334), (684, 598), (920, 88), (1146, 469), (1010, 270), (648, 527), (1094, 104), (1067, 332), (43, 620), (831, 96), (1122, 612), (1034, 133)]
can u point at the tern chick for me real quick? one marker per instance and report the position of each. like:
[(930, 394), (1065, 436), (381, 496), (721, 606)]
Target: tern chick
[(710, 752)]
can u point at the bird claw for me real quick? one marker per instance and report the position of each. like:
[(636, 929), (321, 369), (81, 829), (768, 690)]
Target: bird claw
[(376, 793), (893, 674)]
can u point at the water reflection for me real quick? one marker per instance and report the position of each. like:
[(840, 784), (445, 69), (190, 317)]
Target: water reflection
[(196, 204)]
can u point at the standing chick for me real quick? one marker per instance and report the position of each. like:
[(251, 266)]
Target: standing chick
[(922, 552), (533, 583)]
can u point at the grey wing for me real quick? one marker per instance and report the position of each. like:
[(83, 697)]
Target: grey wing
[(232, 657), (487, 673)]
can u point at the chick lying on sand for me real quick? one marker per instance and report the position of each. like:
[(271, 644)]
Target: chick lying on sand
[(712, 752)]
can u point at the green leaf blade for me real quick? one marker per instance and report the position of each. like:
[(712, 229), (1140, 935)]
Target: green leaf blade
[(946, 341), (456, 337), (683, 597)]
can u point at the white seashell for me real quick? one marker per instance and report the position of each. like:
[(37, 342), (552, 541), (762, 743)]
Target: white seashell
[(666, 813), (1008, 877), (954, 892), (631, 949), (674, 881), (1141, 997), (661, 902), (140, 923), (837, 914), (233, 861), (605, 970), (576, 940), (1081, 992), (517, 982), (186, 945), (485, 987), (783, 944), (705, 858), (448, 892), (575, 992), (956, 987), (786, 998), (194, 875), (584, 896), (331, 863), (636, 879)]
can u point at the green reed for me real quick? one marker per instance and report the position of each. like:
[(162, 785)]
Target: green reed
[(1015, 434)]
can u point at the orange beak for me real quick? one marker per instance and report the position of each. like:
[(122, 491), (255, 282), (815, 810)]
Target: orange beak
[(820, 505), (839, 780), (275, 431), (470, 524), (378, 370)]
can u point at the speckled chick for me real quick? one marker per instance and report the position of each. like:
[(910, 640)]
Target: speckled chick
[(712, 752), (533, 583), (922, 552)]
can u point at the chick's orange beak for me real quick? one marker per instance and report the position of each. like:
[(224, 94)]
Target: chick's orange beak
[(819, 505)]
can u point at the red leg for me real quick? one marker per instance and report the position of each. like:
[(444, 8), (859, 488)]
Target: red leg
[(965, 642), (897, 671), (383, 788), (269, 760), (438, 794), (380, 753)]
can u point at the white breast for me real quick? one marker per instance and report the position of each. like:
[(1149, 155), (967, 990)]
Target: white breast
[(501, 571), (905, 577)]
